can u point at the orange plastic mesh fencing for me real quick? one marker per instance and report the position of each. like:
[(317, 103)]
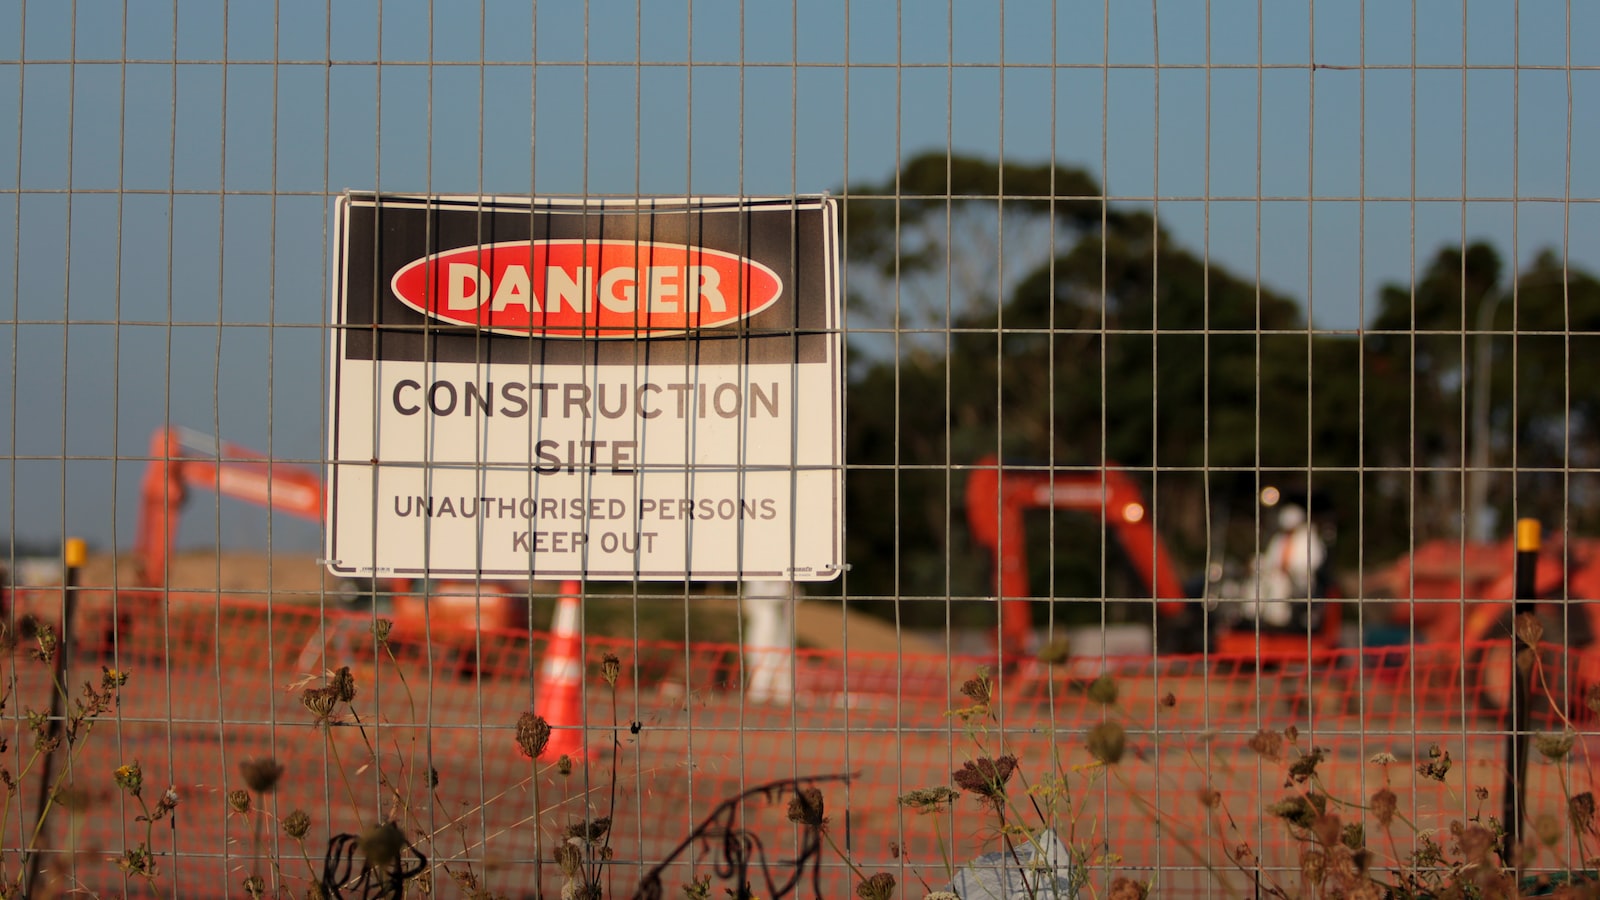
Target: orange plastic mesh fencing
[(1213, 753)]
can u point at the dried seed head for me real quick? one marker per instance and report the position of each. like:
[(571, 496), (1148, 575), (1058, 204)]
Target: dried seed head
[(533, 734), (343, 684), (986, 777), (978, 689), (1476, 842), (929, 800), (1103, 690), (45, 637), (1529, 629), (255, 886), (1525, 660), (1481, 792), (1306, 766), (564, 764), (1327, 829), (111, 679), (239, 801), (1580, 810), (700, 889), (569, 859), (261, 775), (610, 668), (1437, 764), (1384, 803), (1210, 797), (1107, 741), (878, 887), (319, 702), (1123, 888), (1055, 651), (1591, 698), (1313, 865), (590, 831), (1169, 700), (1353, 836), (1297, 810), (381, 844), (1554, 746), (296, 824), (1383, 758), (805, 807), (130, 778), (1548, 828), (433, 777), (381, 629), (1267, 743)]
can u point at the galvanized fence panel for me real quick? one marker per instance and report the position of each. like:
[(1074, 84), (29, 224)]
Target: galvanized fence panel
[(1201, 361)]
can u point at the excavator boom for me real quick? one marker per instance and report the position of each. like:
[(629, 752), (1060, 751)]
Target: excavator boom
[(181, 460), (997, 502)]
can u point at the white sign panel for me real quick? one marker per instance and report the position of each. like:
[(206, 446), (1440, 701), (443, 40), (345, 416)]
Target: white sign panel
[(610, 390)]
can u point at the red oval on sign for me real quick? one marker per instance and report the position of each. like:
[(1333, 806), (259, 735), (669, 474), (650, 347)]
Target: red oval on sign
[(587, 288)]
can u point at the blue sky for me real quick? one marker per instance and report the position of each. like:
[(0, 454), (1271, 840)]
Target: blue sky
[(165, 167)]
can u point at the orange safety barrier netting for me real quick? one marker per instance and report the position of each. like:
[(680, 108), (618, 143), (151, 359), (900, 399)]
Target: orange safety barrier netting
[(429, 738)]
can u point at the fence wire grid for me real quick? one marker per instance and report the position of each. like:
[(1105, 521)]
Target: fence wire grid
[(1220, 434)]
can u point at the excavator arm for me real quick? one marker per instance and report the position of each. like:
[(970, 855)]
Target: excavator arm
[(997, 502), (181, 460)]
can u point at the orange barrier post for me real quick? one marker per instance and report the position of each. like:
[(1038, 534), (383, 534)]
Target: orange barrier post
[(560, 691)]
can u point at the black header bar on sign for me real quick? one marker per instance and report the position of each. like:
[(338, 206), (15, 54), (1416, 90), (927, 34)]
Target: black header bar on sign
[(787, 236)]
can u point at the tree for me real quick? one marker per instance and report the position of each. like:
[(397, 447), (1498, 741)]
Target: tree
[(1121, 346)]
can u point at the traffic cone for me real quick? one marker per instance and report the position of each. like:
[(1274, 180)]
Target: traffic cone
[(559, 697)]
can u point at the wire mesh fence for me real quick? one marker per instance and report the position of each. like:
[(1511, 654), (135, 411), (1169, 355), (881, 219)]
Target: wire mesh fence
[(1193, 492)]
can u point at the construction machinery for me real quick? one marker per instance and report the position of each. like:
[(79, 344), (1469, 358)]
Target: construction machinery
[(1473, 584), (998, 499), (1481, 576), (182, 461)]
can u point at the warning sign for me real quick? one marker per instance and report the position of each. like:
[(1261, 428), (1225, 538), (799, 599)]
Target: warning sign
[(603, 389)]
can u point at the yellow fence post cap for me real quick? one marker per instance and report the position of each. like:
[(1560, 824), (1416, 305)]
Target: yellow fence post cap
[(75, 553), (1527, 534)]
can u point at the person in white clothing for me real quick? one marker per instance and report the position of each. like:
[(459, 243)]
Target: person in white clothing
[(1287, 570)]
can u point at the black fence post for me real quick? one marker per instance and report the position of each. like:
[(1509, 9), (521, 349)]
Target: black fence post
[(73, 555), (1518, 737)]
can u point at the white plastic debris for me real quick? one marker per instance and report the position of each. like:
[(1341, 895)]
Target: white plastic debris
[(1040, 870)]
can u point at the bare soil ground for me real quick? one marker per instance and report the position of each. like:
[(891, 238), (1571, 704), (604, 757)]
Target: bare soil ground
[(820, 623)]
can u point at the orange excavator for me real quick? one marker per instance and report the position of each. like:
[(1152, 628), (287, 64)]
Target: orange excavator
[(1482, 575), (183, 460), (998, 499)]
